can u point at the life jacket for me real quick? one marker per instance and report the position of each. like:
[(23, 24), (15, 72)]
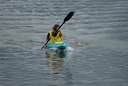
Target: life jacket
[(55, 39)]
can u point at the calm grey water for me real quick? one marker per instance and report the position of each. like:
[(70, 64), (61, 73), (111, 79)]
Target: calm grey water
[(98, 33)]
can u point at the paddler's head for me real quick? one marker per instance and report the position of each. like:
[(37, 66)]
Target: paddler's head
[(55, 27)]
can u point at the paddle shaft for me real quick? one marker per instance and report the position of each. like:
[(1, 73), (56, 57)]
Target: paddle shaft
[(66, 19)]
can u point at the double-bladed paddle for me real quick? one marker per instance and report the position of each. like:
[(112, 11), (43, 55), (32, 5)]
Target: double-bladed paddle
[(68, 17)]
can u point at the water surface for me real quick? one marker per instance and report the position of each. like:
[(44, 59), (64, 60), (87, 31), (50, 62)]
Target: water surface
[(98, 33)]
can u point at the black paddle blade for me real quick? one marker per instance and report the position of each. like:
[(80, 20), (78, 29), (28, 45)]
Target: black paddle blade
[(70, 14)]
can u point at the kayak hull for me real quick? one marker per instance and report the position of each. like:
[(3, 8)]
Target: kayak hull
[(57, 49), (56, 46)]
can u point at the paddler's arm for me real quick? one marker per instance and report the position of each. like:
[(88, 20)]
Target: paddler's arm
[(48, 36), (61, 35)]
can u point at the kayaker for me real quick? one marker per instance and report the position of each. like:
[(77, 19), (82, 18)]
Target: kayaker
[(55, 36)]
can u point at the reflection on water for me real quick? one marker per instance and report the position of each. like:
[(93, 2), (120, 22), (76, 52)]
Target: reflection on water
[(57, 60)]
